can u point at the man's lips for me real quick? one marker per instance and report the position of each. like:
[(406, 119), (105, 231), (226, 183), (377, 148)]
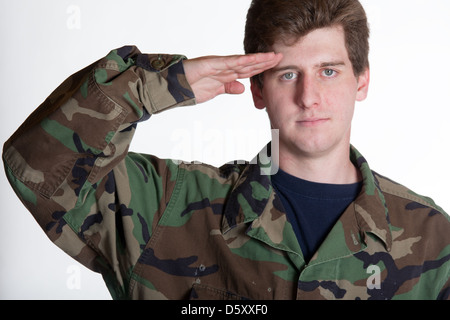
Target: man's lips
[(310, 122)]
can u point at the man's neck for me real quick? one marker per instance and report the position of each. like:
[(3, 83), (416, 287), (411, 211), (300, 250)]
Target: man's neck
[(332, 168)]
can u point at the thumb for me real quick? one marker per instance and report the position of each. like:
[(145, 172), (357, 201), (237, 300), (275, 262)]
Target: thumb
[(234, 87)]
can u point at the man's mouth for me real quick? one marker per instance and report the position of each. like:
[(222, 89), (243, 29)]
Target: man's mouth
[(311, 122)]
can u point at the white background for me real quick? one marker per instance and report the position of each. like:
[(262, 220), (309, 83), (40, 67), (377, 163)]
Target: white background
[(402, 128)]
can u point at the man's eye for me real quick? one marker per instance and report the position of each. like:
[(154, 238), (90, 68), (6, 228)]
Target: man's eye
[(289, 76), (329, 72)]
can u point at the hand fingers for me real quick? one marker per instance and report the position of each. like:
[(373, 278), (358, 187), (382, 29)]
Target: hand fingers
[(248, 65), (241, 67), (250, 59), (249, 71), (213, 75)]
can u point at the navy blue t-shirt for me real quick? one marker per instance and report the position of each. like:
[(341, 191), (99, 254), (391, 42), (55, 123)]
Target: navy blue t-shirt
[(312, 208)]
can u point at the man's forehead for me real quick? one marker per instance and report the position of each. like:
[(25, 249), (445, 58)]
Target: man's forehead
[(321, 47), (290, 40)]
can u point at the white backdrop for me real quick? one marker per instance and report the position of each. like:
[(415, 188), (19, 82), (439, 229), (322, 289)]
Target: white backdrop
[(402, 128)]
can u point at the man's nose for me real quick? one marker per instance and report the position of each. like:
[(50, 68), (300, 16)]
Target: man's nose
[(308, 92)]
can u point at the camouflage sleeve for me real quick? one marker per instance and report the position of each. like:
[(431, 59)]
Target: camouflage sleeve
[(67, 159)]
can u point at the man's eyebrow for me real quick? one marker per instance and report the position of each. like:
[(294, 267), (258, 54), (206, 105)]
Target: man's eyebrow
[(319, 65), (283, 68), (331, 64)]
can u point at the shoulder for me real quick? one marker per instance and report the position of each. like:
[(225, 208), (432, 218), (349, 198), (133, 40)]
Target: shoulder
[(400, 200), (420, 247)]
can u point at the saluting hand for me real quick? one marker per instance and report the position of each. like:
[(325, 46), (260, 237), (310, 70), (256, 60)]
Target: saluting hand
[(212, 75)]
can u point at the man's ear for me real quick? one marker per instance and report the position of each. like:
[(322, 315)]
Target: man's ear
[(363, 85), (257, 95)]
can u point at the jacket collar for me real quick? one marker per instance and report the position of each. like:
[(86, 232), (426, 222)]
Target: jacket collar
[(370, 206), (254, 202)]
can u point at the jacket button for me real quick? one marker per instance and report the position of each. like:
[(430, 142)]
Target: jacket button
[(158, 64)]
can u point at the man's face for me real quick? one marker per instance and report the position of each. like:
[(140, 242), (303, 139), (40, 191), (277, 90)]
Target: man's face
[(310, 95)]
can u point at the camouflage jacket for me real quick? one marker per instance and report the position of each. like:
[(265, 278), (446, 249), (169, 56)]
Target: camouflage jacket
[(157, 229)]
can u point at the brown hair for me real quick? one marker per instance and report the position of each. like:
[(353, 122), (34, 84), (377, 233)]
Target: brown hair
[(269, 21)]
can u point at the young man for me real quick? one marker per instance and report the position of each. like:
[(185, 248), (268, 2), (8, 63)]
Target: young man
[(323, 226)]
